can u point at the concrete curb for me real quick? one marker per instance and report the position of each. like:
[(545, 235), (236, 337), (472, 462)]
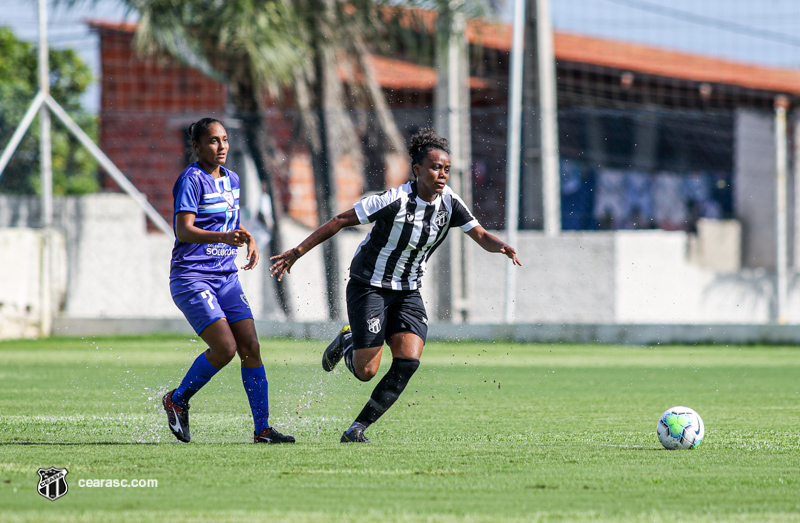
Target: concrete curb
[(629, 334)]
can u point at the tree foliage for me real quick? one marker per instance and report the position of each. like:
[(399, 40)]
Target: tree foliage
[(74, 170), (316, 51)]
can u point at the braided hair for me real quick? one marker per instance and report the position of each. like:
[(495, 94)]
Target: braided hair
[(425, 141)]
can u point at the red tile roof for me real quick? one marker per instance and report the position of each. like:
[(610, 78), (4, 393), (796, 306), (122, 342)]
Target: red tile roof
[(398, 74), (648, 60), (99, 23)]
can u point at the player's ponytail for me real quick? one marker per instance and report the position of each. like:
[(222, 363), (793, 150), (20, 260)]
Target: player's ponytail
[(423, 142)]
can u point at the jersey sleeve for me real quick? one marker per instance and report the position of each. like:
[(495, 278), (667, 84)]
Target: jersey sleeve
[(461, 215), (187, 194), (378, 206)]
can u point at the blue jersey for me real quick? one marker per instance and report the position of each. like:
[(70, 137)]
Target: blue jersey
[(215, 203)]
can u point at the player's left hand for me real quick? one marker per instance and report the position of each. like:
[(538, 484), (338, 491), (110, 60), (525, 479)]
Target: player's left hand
[(252, 254), (511, 253)]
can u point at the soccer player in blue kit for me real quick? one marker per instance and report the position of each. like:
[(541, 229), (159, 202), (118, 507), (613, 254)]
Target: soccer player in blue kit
[(204, 283)]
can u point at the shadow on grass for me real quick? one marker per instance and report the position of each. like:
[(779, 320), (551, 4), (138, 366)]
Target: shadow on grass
[(119, 443), (75, 444)]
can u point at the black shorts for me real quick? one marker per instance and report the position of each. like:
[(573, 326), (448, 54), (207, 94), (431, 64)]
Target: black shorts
[(376, 314)]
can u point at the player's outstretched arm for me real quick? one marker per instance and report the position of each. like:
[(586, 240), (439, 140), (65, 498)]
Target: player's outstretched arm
[(283, 262), (490, 242), (187, 232)]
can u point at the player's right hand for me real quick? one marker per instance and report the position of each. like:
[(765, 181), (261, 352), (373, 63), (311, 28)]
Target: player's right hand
[(236, 238)]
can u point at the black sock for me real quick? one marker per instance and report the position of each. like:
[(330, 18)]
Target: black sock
[(388, 390)]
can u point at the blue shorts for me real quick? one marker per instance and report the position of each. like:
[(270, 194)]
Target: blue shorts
[(204, 301)]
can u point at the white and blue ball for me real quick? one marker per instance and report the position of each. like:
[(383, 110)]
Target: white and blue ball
[(680, 428)]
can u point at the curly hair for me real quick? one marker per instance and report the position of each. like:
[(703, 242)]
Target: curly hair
[(425, 141)]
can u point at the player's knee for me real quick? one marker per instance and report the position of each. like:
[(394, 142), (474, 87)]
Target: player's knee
[(250, 351), (368, 371), (224, 352)]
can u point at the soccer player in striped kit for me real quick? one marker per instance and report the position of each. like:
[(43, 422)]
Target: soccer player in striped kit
[(204, 283), (383, 299)]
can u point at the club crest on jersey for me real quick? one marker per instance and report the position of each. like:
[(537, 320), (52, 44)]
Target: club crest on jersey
[(52, 483), (228, 197), (441, 218), (410, 217), (374, 325)]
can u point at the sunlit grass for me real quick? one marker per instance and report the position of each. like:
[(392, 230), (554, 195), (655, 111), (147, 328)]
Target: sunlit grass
[(484, 432)]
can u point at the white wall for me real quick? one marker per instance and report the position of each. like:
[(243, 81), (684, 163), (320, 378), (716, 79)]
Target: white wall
[(565, 279), (654, 279), (620, 277), (106, 263), (109, 266), (20, 269)]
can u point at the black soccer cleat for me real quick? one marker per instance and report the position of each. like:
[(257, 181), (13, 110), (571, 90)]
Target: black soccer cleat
[(334, 352), (270, 435), (355, 434), (177, 417)]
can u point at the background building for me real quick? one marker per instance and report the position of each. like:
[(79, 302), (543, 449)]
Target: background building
[(667, 187), (634, 122)]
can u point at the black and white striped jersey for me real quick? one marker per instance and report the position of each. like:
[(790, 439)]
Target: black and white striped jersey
[(407, 230)]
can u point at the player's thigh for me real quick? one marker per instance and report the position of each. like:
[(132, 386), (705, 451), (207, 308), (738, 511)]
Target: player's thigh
[(197, 300), (221, 342), (367, 361), (407, 325), (244, 331), (406, 345)]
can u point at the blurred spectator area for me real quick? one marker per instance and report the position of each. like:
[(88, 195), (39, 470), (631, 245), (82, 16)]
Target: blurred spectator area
[(647, 136)]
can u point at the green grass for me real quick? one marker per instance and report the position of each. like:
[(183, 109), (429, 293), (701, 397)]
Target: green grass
[(484, 432)]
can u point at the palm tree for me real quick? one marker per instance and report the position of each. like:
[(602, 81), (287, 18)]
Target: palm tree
[(253, 50), (298, 47)]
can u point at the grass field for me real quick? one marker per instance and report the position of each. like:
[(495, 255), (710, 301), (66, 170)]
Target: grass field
[(485, 432)]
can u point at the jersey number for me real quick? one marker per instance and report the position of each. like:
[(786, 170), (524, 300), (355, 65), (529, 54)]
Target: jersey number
[(208, 297)]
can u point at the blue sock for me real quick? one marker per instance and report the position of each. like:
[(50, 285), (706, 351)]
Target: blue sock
[(198, 375), (257, 388)]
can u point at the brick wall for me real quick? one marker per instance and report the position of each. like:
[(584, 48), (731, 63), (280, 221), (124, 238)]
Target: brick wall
[(146, 105), (303, 202), (131, 84)]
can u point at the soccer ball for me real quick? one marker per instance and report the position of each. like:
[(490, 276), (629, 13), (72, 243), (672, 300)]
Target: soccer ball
[(680, 428)]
